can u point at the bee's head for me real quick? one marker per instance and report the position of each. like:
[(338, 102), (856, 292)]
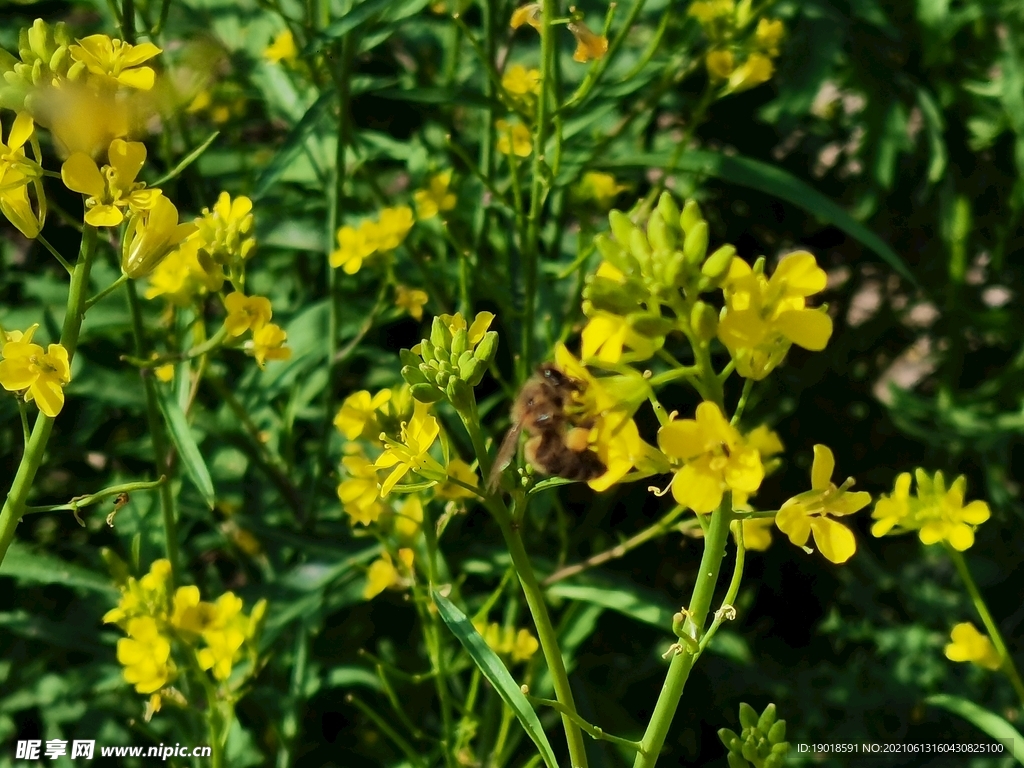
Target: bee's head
[(554, 375)]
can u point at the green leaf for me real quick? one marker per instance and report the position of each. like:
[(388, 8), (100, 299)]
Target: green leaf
[(496, 674), (455, 96), (23, 564), (988, 722), (935, 126), (772, 181), (292, 145), (351, 676), (191, 458), (347, 22), (190, 158)]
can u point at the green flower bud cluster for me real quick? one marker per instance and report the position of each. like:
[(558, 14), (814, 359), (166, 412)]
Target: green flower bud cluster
[(761, 744), (45, 58), (655, 263), (450, 363)]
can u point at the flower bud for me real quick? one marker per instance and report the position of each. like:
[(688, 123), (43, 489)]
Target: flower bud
[(717, 265), (748, 716), (735, 761), (703, 321), (413, 375), (621, 226), (459, 393), (640, 248), (613, 296), (613, 253), (485, 350), (777, 732), (661, 237), (649, 325), (774, 761), (409, 358), (767, 719), (668, 209), (426, 393), (690, 216), (727, 736), (440, 337), (460, 342), (427, 350), (695, 247)]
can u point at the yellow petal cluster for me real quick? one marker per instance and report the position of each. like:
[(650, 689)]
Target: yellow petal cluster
[(358, 412), (40, 374), (436, 197), (283, 48), (246, 313), (764, 316), (17, 174), (937, 514), (968, 644), (811, 512), (513, 138), (521, 81), (715, 458), (268, 343), (411, 300), (384, 573), (410, 452), (117, 60), (356, 244), (517, 645), (112, 189), (360, 491)]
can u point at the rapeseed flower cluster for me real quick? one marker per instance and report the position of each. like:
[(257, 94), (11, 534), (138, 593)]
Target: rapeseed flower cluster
[(373, 236), (936, 512), (38, 375), (741, 53), (518, 646), (589, 45), (19, 174), (212, 636)]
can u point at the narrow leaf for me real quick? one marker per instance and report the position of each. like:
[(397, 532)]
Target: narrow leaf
[(347, 22), (497, 675), (772, 181), (935, 126), (25, 565), (191, 458), (988, 722), (190, 158)]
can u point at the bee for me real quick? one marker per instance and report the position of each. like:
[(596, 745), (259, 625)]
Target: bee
[(558, 442)]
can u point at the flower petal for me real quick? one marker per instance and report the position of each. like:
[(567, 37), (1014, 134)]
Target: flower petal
[(21, 130), (792, 520), (807, 328), (127, 158), (700, 491), (104, 216), (80, 174), (822, 468), (834, 540)]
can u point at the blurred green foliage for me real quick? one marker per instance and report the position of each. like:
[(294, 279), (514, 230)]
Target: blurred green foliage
[(890, 143)]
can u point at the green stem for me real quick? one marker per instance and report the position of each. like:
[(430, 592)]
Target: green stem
[(108, 290), (730, 596), (742, 404), (592, 730), (538, 187), (161, 450), (290, 724), (1008, 667), (199, 350), (682, 663), (55, 253), (14, 506), (436, 645), (95, 498), (534, 595), (410, 754)]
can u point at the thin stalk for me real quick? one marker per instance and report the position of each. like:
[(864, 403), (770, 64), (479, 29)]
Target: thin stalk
[(410, 754), (538, 186), (55, 253), (95, 498), (1008, 666), (729, 602), (534, 595), (436, 646), (106, 291), (290, 724), (679, 668), (161, 450), (593, 730), (742, 404), (32, 458)]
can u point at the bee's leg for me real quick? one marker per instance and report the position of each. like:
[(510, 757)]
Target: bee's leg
[(530, 451), (577, 439)]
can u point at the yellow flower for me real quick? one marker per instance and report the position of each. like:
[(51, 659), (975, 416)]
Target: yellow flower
[(383, 574), (358, 410), (145, 654), (224, 636), (411, 300), (968, 644), (715, 458), (180, 276), (524, 646), (720, 64), (935, 513), (763, 317), (224, 231), (190, 614), (519, 80), (459, 470), (599, 187), (143, 597), (42, 375), (246, 313), (605, 335), (807, 513), (513, 137), (353, 247), (506, 641), (17, 172), (526, 14), (268, 344), (360, 493), (436, 197), (588, 45), (113, 188), (117, 60), (706, 11), (150, 237), (757, 69), (757, 533), (476, 331), (282, 49), (392, 227), (768, 34), (409, 519), (410, 453)]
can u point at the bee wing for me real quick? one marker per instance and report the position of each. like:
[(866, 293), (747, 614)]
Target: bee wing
[(504, 457)]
